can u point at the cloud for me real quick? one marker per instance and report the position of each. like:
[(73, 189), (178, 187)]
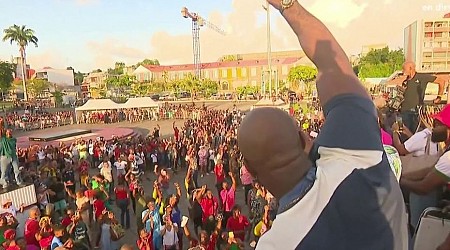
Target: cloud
[(46, 58), (108, 51), (244, 35), (341, 13), (353, 22), (86, 2)]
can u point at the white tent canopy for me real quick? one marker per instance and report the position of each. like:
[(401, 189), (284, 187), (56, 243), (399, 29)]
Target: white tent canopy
[(140, 102), (99, 104)]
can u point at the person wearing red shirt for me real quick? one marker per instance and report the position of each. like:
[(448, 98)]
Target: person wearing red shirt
[(67, 220), (32, 227), (220, 175), (99, 206), (238, 223), (176, 132), (145, 241), (209, 204)]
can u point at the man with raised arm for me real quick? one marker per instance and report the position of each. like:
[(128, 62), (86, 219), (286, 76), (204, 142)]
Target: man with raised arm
[(339, 192)]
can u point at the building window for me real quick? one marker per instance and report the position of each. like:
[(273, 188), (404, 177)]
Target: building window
[(244, 72), (224, 73), (206, 73), (253, 71), (233, 73), (427, 45)]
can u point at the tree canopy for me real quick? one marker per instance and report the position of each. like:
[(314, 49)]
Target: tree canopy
[(37, 86), (148, 62), (6, 76), (302, 78), (380, 63), (20, 35)]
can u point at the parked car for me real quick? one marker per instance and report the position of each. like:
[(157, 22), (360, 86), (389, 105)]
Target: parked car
[(183, 94), (250, 97), (228, 96), (167, 97), (155, 97), (215, 97)]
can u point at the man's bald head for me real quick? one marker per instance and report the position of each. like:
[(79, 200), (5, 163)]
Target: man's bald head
[(126, 247), (409, 69), (269, 137), (34, 212)]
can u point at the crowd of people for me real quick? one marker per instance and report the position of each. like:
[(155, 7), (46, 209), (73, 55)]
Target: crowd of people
[(38, 120), (343, 188), (81, 185), (166, 111)]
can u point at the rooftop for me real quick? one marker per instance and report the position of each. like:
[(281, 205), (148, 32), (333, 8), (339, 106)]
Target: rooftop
[(230, 64)]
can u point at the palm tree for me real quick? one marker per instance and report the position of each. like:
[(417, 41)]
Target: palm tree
[(22, 36)]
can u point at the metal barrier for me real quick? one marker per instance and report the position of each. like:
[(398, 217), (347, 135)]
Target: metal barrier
[(35, 125)]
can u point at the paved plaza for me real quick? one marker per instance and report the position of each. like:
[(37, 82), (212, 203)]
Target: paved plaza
[(144, 128)]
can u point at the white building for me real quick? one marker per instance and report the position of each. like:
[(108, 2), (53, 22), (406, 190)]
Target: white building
[(60, 77), (427, 44)]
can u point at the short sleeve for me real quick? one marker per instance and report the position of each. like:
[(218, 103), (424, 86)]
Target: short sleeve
[(416, 143), (350, 123), (443, 166), (430, 78)]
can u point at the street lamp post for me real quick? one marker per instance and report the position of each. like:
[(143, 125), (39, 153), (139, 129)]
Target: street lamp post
[(269, 48)]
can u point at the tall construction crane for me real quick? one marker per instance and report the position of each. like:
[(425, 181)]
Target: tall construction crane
[(197, 22)]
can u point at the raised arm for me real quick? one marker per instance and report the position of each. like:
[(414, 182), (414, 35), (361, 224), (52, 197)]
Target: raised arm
[(336, 75), (442, 80), (177, 187), (233, 181)]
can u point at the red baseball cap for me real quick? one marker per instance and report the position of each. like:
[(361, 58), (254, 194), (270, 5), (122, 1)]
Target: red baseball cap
[(443, 116)]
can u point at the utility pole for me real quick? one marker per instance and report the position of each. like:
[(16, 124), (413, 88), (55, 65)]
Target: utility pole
[(269, 49)]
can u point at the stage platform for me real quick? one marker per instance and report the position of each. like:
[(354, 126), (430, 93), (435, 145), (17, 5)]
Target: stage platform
[(106, 133), (19, 195), (59, 135)]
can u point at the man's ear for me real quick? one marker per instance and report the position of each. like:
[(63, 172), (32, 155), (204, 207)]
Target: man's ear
[(305, 141)]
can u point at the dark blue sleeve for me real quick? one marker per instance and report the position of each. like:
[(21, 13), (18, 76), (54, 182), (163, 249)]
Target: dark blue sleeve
[(350, 123)]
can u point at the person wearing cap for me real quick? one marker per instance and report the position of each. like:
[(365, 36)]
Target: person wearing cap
[(426, 181)]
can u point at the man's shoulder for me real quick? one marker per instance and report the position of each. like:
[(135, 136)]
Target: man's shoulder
[(424, 77)]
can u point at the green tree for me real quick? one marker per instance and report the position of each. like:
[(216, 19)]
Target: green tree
[(380, 63), (6, 76), (140, 89), (22, 36), (191, 84), (148, 62), (302, 78), (208, 87), (79, 78), (37, 87), (118, 69), (121, 83), (58, 95)]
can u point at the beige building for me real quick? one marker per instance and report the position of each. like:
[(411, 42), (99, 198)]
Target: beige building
[(230, 71), (93, 83), (427, 43)]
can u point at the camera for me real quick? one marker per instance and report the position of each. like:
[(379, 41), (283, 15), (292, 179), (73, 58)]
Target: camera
[(396, 99)]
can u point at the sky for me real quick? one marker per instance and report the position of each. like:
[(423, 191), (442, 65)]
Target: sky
[(92, 34)]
